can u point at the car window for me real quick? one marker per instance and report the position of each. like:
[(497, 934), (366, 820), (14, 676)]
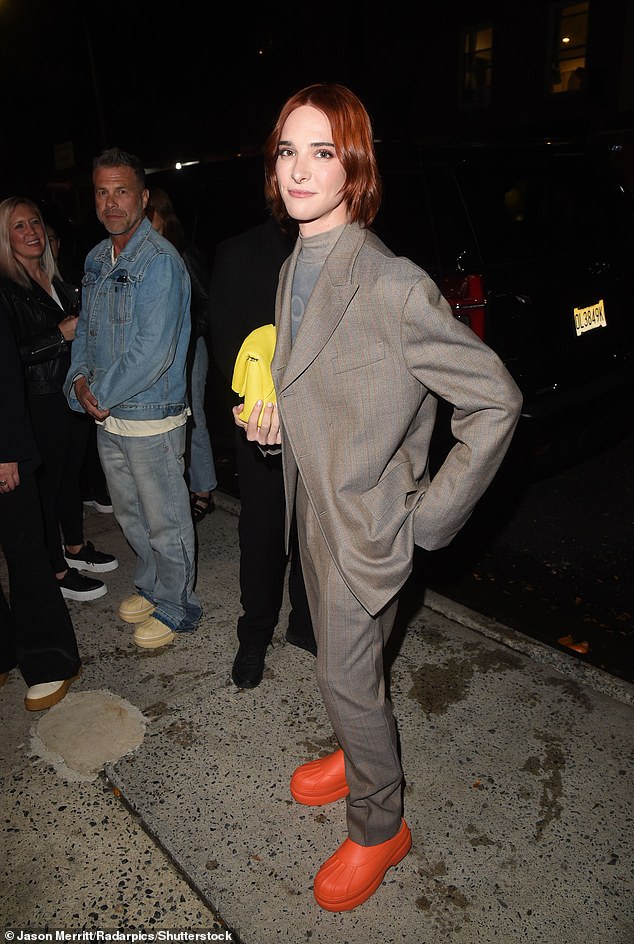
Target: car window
[(457, 248), (423, 217), (559, 205)]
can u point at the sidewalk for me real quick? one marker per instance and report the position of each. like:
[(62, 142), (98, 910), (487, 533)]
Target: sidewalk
[(519, 769)]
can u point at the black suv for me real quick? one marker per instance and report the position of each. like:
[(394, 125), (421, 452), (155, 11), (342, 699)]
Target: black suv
[(531, 243), (533, 246)]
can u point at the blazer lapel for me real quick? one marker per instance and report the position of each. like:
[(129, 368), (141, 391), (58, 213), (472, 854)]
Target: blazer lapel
[(331, 296), (283, 315)]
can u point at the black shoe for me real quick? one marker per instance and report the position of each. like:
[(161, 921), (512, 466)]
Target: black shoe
[(308, 644), (248, 666), (75, 586), (90, 559), (201, 505)]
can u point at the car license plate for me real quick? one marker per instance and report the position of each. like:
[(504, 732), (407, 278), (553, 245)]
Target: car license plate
[(586, 319)]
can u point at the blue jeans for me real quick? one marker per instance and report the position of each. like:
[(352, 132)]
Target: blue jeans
[(150, 500), (202, 471)]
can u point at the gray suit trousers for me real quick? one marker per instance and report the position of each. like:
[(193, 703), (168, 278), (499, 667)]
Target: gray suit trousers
[(351, 679)]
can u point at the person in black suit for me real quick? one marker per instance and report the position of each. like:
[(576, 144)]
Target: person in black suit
[(242, 298), (36, 632)]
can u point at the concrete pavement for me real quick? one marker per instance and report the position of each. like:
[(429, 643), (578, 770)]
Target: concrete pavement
[(519, 768)]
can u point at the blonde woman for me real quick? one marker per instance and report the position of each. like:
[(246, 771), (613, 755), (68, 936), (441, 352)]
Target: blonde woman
[(42, 310)]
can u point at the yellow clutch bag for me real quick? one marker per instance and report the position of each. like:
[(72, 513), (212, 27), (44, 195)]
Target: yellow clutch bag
[(252, 377)]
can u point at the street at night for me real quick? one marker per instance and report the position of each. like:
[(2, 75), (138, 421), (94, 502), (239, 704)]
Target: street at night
[(560, 566), (208, 736)]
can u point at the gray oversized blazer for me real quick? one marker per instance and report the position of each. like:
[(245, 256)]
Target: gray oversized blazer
[(357, 414)]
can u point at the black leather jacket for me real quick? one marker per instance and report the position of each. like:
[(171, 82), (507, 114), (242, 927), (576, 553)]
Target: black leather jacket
[(35, 316)]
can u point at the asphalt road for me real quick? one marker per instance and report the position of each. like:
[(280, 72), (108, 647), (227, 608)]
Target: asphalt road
[(554, 560)]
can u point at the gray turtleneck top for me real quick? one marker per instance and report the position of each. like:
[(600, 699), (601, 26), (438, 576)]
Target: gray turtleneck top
[(312, 255)]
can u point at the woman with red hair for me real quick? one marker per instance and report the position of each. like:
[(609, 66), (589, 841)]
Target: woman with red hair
[(365, 346)]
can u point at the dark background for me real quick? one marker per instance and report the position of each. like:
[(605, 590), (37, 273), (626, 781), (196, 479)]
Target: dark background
[(167, 82), (203, 82), (196, 81)]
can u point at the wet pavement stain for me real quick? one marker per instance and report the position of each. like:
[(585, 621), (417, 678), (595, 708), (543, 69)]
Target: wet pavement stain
[(477, 839), (549, 769), (182, 732), (444, 902), (489, 660), (157, 710), (437, 687), (574, 690)]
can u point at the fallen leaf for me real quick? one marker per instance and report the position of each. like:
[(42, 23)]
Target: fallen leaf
[(582, 647), (569, 643)]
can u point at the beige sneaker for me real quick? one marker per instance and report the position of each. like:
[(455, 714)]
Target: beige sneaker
[(152, 634), (135, 609), (47, 694)]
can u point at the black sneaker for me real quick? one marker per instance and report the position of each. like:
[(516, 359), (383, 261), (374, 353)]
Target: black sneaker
[(75, 586), (90, 559), (248, 666)]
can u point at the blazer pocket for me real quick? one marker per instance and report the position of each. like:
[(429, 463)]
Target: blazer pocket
[(398, 486), (351, 360)]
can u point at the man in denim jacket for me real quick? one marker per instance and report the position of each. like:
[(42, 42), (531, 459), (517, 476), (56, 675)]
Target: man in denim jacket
[(128, 372)]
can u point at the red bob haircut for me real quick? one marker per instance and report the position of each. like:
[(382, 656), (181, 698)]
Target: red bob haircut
[(353, 141)]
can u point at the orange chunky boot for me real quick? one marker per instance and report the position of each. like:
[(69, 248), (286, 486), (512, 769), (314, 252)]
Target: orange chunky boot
[(354, 872), (320, 781)]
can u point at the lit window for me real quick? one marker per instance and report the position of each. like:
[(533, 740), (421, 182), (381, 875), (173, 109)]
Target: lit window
[(476, 66), (569, 43)]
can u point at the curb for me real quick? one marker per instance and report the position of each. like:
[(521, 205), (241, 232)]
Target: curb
[(566, 664)]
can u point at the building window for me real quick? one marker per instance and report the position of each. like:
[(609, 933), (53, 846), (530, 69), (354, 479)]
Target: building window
[(477, 50), (569, 43)]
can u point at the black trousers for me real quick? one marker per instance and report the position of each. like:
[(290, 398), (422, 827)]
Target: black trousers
[(36, 631), (263, 559), (92, 481), (70, 504), (62, 438)]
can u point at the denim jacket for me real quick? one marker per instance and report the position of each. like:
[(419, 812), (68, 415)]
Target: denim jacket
[(133, 331)]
